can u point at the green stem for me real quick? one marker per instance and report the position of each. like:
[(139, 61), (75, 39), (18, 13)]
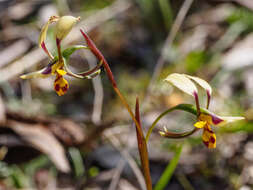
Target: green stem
[(166, 12), (185, 107), (169, 170)]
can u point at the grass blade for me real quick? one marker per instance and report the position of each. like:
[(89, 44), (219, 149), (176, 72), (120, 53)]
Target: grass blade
[(169, 170)]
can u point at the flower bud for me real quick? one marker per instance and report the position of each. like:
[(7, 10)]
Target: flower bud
[(64, 25)]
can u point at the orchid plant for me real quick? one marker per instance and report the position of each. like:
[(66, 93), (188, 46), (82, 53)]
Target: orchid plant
[(205, 118), (58, 66)]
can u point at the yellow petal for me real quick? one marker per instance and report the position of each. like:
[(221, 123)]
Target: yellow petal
[(64, 26), (36, 74), (182, 82), (209, 138), (205, 117), (56, 66), (60, 85), (61, 72), (200, 124), (43, 33)]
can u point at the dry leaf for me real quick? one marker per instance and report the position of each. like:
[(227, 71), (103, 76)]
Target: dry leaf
[(42, 139)]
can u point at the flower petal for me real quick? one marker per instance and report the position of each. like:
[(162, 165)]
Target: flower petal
[(209, 138), (61, 72), (43, 33), (201, 82), (183, 83), (216, 120), (200, 124), (45, 72), (64, 26), (36, 74), (58, 65), (225, 120), (206, 117), (60, 85)]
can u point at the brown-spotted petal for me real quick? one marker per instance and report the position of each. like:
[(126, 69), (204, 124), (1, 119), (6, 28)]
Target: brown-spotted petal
[(209, 138), (61, 85)]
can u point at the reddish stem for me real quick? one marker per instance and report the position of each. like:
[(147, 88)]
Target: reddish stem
[(142, 146), (197, 103), (140, 137), (99, 56), (58, 43), (208, 99)]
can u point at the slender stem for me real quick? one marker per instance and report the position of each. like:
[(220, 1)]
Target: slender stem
[(208, 99), (58, 43), (172, 135), (87, 74), (109, 73), (124, 102), (143, 150), (44, 47), (96, 68), (141, 140), (197, 103), (185, 107), (156, 121)]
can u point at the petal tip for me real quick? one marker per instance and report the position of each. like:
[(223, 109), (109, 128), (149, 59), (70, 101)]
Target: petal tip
[(162, 133)]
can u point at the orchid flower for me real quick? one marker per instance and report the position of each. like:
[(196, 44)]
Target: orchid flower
[(58, 64), (205, 119)]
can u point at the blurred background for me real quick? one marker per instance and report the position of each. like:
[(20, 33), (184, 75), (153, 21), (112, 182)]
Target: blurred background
[(86, 139)]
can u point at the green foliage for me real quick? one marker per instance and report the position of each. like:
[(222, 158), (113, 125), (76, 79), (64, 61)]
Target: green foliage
[(18, 178), (69, 51), (166, 12), (22, 176), (242, 15), (77, 161), (195, 60), (31, 167), (169, 170), (93, 171), (95, 4), (242, 126)]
